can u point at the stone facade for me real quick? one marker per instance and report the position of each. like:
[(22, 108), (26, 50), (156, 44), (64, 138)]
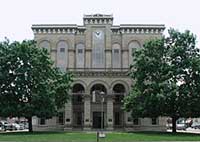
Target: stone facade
[(99, 54)]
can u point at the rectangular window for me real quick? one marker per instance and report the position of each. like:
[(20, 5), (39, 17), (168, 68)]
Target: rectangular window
[(80, 56), (62, 49), (80, 51), (129, 119), (135, 121), (154, 121), (61, 118), (118, 98), (77, 99), (98, 53), (116, 51), (42, 121), (116, 61)]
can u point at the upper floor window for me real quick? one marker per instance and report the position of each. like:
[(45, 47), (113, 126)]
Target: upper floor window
[(98, 53), (45, 44), (132, 46), (62, 55), (116, 56), (80, 51), (62, 50)]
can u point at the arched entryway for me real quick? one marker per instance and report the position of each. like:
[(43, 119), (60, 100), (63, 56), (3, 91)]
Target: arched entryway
[(78, 91), (118, 92), (98, 106)]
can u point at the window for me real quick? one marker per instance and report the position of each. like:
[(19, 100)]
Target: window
[(80, 56), (154, 121), (62, 55), (76, 99), (116, 56), (61, 118), (129, 119), (62, 49), (116, 51), (45, 44), (132, 47), (42, 121), (135, 121), (98, 53), (118, 98), (80, 51), (119, 91)]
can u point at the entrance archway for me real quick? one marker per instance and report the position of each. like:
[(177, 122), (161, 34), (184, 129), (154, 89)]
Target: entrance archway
[(78, 105), (118, 92), (98, 93)]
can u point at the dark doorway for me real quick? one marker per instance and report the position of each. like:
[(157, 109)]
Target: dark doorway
[(118, 118), (97, 120), (78, 119)]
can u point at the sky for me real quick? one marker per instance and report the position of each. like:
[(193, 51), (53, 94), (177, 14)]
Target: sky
[(17, 16)]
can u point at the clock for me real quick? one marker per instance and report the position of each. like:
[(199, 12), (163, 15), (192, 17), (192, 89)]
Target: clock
[(98, 34)]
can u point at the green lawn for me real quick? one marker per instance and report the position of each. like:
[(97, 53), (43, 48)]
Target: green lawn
[(91, 137)]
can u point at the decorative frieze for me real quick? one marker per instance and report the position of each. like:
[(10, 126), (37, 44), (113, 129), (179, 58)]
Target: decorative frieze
[(58, 29), (138, 30), (100, 73)]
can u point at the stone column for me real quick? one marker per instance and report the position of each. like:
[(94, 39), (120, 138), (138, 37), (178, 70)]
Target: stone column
[(110, 113), (68, 115), (87, 112)]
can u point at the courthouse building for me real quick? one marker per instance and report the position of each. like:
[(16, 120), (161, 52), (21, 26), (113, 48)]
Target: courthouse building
[(98, 53)]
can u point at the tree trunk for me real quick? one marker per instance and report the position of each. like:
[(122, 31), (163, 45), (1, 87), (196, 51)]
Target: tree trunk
[(174, 124), (30, 126)]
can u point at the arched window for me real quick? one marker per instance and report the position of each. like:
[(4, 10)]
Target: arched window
[(77, 91), (80, 53), (116, 56), (119, 91), (97, 91), (45, 44), (132, 46), (62, 52), (78, 104)]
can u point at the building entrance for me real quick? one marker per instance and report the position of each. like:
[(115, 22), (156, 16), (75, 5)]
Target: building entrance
[(97, 120)]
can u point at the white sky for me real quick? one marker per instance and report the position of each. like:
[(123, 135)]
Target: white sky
[(17, 16)]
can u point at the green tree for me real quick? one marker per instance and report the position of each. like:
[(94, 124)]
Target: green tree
[(166, 76), (29, 83)]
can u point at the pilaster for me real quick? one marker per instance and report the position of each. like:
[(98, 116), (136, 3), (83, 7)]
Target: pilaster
[(110, 112), (68, 115), (87, 112)]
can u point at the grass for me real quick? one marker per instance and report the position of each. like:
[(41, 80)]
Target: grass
[(91, 137)]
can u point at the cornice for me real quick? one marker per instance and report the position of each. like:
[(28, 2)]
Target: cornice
[(58, 29), (138, 29), (100, 19)]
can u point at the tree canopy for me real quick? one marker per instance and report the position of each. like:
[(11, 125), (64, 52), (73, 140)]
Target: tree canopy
[(30, 85), (166, 76)]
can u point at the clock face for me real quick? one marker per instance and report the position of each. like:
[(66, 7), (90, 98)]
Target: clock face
[(98, 34)]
